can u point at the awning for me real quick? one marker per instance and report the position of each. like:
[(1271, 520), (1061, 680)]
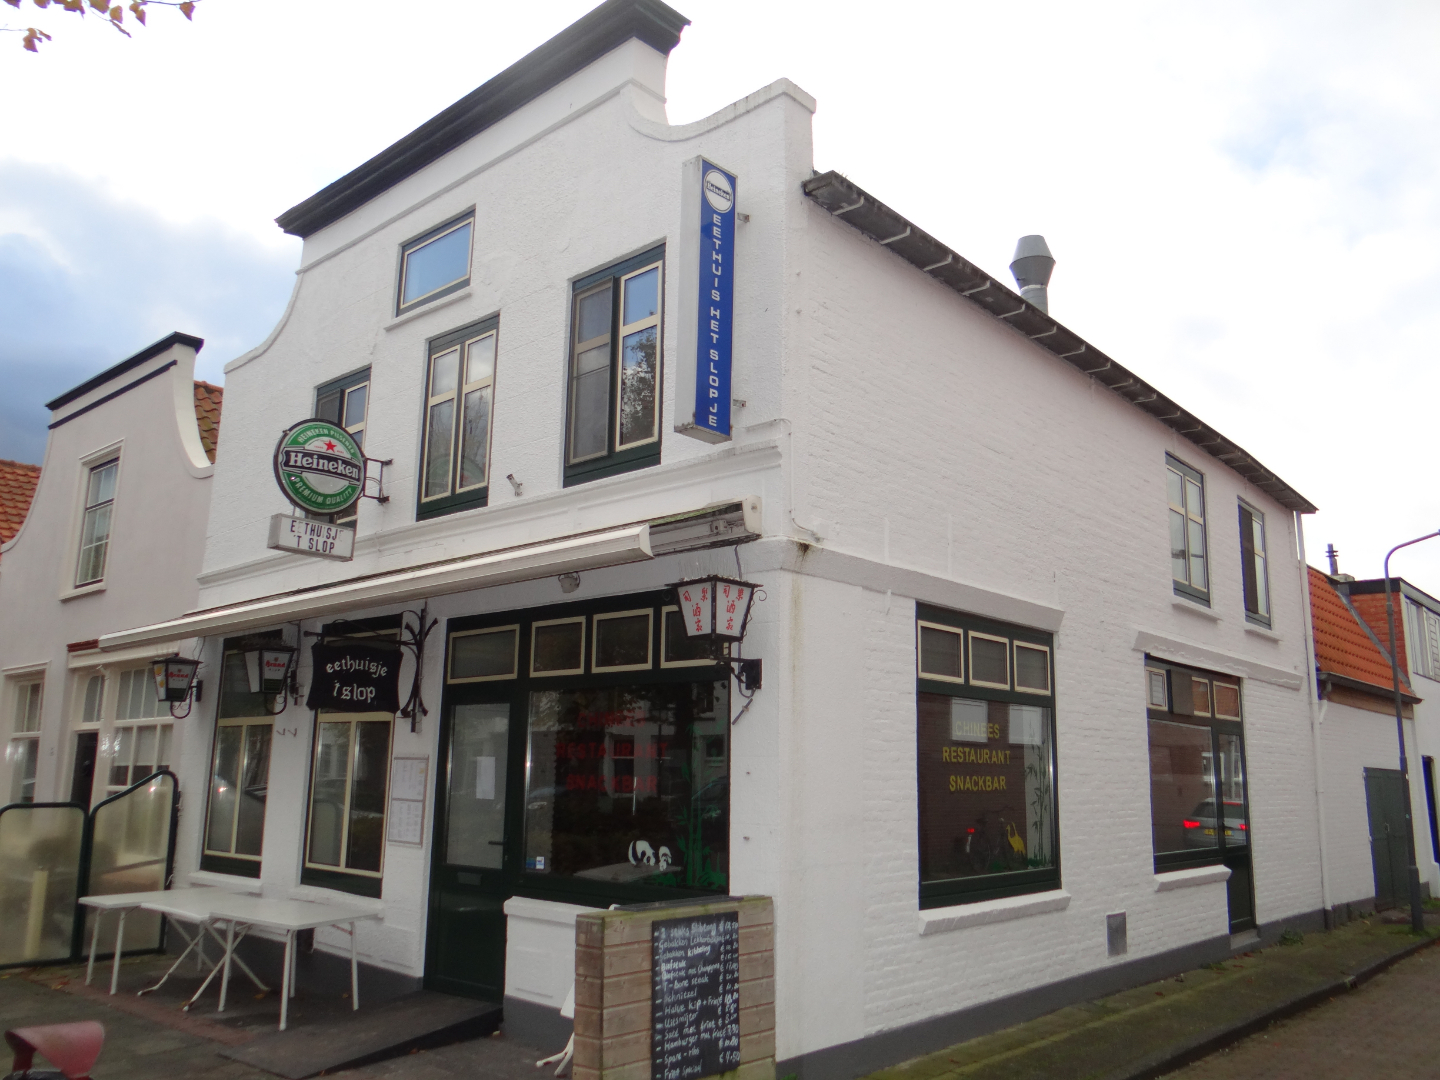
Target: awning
[(570, 555), (722, 524)]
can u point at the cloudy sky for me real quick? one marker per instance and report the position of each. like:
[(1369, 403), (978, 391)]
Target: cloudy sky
[(1242, 197)]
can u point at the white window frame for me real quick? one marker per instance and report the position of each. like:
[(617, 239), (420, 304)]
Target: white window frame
[(26, 709), (129, 733), (607, 616), (970, 636), (1189, 476), (1049, 690), (88, 474), (514, 628), (241, 722), (534, 628), (921, 624), (354, 720), (1151, 677)]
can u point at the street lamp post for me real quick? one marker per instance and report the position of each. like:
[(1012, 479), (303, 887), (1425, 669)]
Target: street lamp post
[(1417, 914)]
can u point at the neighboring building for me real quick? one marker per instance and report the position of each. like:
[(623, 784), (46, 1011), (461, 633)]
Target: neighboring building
[(1417, 646), (116, 528), (1360, 787), (999, 761), (17, 488)]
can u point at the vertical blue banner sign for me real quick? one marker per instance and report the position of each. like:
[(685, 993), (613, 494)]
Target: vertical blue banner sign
[(707, 290)]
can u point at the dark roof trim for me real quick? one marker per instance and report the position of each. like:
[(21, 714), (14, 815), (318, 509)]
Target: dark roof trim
[(1387, 692), (1377, 585), (582, 42), (112, 395), (874, 219), (147, 353)]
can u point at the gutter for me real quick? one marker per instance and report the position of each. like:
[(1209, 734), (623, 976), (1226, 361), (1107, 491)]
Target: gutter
[(874, 219)]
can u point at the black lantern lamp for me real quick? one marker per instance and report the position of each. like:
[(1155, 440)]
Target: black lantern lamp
[(718, 609), (269, 667), (174, 679)]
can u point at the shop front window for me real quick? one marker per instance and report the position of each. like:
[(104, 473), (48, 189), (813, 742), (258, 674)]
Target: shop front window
[(239, 776), (986, 759), (347, 802), (629, 784)]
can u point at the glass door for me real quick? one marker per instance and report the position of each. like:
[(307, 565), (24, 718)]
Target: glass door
[(472, 873), (1233, 825)]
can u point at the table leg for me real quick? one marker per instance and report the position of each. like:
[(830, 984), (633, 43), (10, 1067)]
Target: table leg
[(285, 990), (229, 949), (190, 943), (94, 936), (354, 973), (119, 947)]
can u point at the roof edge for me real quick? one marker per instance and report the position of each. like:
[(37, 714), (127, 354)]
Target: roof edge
[(147, 353), (578, 45), (1352, 683), (869, 216)]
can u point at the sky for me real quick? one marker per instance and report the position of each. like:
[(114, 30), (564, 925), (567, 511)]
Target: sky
[(1241, 197)]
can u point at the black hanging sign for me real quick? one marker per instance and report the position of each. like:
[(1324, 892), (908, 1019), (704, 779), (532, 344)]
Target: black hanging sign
[(354, 676), (695, 996)]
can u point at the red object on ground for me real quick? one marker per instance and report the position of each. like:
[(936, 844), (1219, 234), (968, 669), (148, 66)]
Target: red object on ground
[(71, 1048)]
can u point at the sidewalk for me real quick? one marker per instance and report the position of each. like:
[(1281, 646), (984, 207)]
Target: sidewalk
[(1154, 1030)]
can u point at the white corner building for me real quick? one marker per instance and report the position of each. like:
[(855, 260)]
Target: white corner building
[(1032, 720)]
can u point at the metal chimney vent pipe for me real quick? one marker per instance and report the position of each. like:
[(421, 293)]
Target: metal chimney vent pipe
[(1032, 267)]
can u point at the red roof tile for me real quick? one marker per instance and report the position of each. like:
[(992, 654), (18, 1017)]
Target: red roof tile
[(1342, 646), (17, 488), (208, 398)]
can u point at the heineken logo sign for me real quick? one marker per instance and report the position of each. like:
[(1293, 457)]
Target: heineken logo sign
[(319, 467)]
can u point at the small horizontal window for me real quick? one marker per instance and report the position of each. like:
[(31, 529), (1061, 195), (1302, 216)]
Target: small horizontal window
[(621, 641), (435, 264), (485, 655), (1032, 668), (989, 661), (941, 652), (1227, 701), (558, 647)]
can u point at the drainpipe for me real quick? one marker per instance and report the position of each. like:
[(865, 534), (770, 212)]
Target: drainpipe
[(1317, 719)]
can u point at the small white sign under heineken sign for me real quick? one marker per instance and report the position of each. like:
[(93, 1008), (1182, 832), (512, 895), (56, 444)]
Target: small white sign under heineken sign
[(305, 537), (319, 467)]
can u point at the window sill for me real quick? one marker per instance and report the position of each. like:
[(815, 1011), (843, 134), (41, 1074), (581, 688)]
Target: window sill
[(1263, 632), (224, 881), (84, 590), (322, 895), (434, 305), (945, 919), (1194, 607), (1198, 875)]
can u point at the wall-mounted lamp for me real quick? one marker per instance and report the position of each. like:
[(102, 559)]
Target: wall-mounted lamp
[(569, 582), (174, 680), (267, 667), (718, 609)]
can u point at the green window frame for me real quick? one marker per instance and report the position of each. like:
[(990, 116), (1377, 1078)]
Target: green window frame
[(1189, 556), (649, 674), (459, 396), (615, 374), (417, 283), (986, 767), (1196, 748), (1254, 565)]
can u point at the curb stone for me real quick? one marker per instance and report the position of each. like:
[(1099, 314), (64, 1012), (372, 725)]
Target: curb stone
[(1190, 1052)]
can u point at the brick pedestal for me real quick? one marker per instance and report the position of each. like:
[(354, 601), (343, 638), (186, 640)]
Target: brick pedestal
[(612, 989)]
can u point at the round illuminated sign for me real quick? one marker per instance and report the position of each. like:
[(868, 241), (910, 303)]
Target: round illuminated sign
[(718, 192), (319, 467)]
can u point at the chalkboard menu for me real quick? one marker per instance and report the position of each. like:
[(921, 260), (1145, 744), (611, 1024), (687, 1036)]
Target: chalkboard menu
[(695, 996)]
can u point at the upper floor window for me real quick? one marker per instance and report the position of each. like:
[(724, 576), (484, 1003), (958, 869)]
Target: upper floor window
[(95, 527), (1253, 564), (1186, 489), (615, 369), (1423, 639), (345, 402), (436, 263), (459, 399)]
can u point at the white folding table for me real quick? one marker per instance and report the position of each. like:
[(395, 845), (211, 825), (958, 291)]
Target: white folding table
[(244, 913), (199, 906), (191, 905)]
